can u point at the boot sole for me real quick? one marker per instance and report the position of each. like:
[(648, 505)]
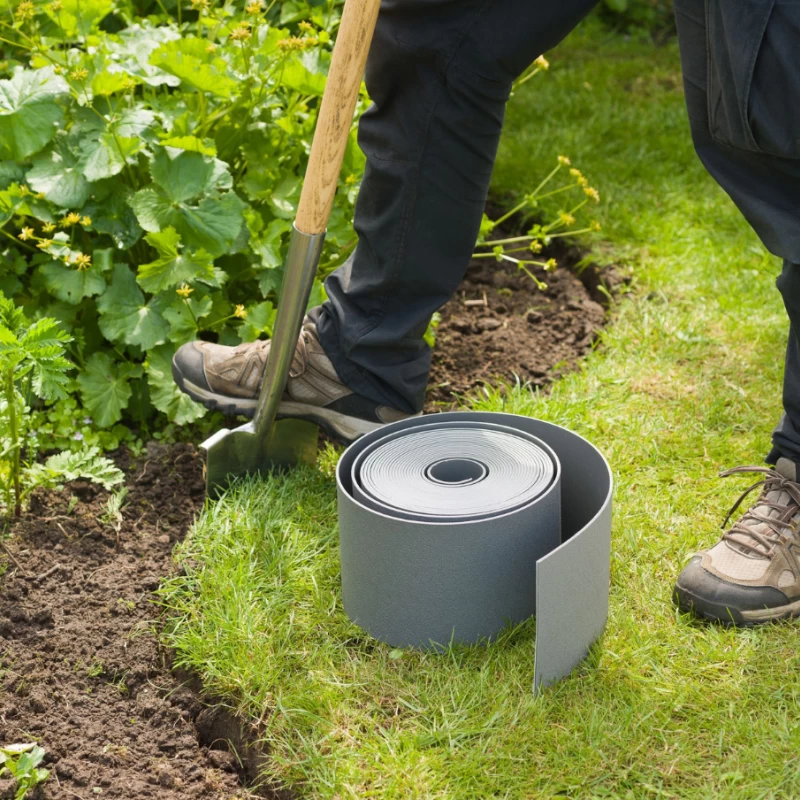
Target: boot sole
[(732, 617), (335, 424)]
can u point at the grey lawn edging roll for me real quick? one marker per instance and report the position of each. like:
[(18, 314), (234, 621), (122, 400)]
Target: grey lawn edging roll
[(455, 525)]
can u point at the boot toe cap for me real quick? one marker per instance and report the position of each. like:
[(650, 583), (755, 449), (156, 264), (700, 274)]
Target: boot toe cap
[(188, 365), (710, 596)]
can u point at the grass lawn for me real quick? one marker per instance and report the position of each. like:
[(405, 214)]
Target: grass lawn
[(686, 382)]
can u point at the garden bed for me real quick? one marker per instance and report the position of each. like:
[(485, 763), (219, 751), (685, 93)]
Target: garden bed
[(83, 673)]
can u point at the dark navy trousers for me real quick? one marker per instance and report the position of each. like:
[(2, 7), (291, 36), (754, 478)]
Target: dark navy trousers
[(439, 74)]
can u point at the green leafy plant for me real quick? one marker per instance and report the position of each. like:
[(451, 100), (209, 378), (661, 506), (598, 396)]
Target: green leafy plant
[(32, 365), (522, 250), (22, 762), (150, 169)]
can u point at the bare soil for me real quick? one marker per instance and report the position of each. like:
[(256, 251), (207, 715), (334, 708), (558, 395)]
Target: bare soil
[(82, 672), (500, 328)]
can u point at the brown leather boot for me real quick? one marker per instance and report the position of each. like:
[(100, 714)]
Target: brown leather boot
[(229, 379), (752, 575)]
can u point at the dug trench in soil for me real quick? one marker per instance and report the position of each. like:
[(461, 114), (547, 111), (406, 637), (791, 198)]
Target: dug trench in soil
[(82, 672)]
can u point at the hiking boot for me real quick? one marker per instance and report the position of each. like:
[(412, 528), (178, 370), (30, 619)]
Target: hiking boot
[(228, 379), (753, 574)]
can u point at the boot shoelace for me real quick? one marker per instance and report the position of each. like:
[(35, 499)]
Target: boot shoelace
[(300, 358), (762, 543)]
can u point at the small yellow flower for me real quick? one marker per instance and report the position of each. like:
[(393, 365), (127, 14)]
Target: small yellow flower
[(211, 48), (58, 69), (25, 234), (566, 219), (43, 244), (83, 261), (535, 247), (184, 291), (576, 173), (590, 191), (240, 34), (305, 26), (542, 63), (39, 196), (200, 5), (253, 7), (582, 181), (595, 225), (55, 5), (48, 227), (564, 160), (72, 218), (24, 190), (239, 312), (79, 74), (25, 10), (550, 264), (351, 180), (292, 43), (86, 221)]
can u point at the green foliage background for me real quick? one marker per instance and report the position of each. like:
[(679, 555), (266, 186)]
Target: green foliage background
[(150, 165)]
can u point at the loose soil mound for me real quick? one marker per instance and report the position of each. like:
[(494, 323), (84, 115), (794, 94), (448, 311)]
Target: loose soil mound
[(500, 327), (82, 671)]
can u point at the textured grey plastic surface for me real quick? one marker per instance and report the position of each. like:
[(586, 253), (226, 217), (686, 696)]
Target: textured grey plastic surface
[(423, 582)]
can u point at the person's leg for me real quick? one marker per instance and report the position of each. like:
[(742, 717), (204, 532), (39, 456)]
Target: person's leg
[(742, 82), (786, 436), (439, 75)]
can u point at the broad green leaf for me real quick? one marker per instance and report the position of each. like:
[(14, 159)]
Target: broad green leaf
[(29, 114), (270, 280), (126, 317), (105, 146), (184, 317), (114, 217), (266, 243), (107, 82), (305, 73), (104, 388), (166, 396), (285, 197), (213, 225), (132, 52), (260, 319), (105, 155), (10, 172), (70, 284), (189, 60), (183, 175), (172, 267), (57, 174), (204, 146), (79, 17), (152, 208)]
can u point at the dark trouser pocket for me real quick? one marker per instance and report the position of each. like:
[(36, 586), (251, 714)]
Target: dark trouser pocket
[(754, 75)]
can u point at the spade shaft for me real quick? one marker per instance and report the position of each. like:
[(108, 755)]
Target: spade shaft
[(264, 443)]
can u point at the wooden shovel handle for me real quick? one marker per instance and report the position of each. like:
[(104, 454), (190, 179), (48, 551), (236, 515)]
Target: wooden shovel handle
[(336, 114)]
